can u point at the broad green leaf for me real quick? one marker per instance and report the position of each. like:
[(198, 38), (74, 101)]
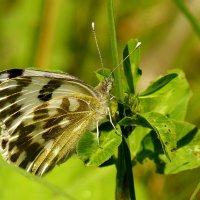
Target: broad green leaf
[(160, 124), (131, 65), (93, 154), (187, 155), (169, 95), (144, 145)]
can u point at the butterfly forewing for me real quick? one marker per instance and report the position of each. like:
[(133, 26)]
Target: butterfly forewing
[(43, 115)]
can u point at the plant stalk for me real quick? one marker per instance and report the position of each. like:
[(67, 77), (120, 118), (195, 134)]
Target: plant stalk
[(124, 178)]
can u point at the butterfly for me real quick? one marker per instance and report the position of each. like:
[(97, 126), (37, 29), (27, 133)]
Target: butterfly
[(44, 114)]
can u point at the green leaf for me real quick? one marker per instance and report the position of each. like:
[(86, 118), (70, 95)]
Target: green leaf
[(93, 154), (101, 74), (169, 95), (131, 63), (135, 142), (144, 145), (158, 84), (187, 155), (160, 124)]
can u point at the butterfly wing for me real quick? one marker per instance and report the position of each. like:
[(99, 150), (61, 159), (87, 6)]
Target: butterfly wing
[(43, 117)]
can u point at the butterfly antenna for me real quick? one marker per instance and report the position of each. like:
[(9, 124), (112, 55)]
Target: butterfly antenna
[(97, 45), (137, 45)]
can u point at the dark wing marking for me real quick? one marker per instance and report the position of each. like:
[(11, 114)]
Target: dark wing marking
[(20, 95), (13, 73)]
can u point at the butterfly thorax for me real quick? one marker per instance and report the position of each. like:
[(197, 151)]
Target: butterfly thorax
[(103, 97)]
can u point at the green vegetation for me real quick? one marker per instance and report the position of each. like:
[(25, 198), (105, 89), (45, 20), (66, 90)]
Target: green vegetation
[(57, 35)]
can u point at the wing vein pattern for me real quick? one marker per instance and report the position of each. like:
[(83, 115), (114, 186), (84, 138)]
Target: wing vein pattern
[(44, 114)]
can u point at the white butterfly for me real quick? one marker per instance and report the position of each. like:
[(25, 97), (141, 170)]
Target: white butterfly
[(44, 114)]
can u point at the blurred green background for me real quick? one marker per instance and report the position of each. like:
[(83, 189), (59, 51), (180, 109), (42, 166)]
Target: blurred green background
[(57, 35)]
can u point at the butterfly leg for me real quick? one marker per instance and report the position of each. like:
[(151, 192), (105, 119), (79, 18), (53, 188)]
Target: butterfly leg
[(98, 134), (110, 119)]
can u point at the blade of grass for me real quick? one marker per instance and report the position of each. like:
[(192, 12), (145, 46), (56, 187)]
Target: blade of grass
[(117, 74), (193, 21), (197, 189), (124, 178)]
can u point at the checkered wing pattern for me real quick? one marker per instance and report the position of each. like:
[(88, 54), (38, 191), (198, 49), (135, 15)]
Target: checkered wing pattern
[(44, 114)]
